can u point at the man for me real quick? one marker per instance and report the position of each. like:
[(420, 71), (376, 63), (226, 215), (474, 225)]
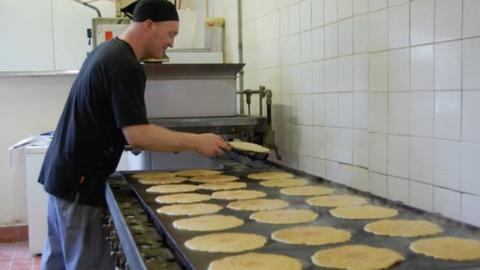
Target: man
[(104, 111)]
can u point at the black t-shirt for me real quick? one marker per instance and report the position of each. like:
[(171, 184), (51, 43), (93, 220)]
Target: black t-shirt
[(107, 94)]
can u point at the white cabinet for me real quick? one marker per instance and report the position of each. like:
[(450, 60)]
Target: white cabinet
[(26, 35), (46, 35), (36, 199)]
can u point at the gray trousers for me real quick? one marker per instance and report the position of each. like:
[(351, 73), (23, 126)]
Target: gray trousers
[(75, 240)]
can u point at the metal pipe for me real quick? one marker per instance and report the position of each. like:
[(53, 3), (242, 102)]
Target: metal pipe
[(240, 51), (90, 6)]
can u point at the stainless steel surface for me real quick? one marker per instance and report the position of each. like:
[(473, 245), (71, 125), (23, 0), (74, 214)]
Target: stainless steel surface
[(206, 121), (188, 71), (38, 73), (191, 90), (240, 52)]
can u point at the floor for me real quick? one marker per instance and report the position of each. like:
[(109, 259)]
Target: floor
[(15, 256)]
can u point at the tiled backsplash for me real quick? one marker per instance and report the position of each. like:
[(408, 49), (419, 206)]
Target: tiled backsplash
[(381, 95)]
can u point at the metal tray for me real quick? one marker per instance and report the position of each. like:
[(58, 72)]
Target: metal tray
[(200, 260)]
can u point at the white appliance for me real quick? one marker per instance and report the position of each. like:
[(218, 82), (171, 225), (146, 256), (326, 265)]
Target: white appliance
[(37, 197)]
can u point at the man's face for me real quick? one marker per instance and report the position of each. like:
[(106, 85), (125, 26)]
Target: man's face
[(161, 37)]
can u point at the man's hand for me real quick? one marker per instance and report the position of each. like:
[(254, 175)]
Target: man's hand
[(211, 145)]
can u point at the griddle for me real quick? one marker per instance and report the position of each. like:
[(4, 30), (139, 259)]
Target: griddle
[(200, 260)]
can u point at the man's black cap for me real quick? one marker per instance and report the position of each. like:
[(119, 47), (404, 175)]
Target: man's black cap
[(155, 10)]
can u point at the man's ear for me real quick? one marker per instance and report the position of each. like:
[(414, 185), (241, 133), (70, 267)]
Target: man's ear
[(147, 25)]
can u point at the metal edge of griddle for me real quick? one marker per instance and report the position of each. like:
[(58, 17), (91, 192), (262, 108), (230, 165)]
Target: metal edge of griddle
[(128, 245), (170, 240), (238, 120), (188, 71)]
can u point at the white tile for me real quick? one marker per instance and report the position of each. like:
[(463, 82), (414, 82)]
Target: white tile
[(332, 146), (345, 37), (359, 179), (345, 8), (446, 164), (421, 68), (377, 4), (331, 11), (305, 164), (446, 203), (306, 15), (331, 40), (319, 111), (318, 73), (296, 79), (345, 73), (345, 110), (296, 109), (398, 156), (360, 6), (346, 146), (306, 46), (295, 46), (396, 2), (331, 75), (318, 48), (448, 19), (294, 19), (306, 85), (470, 113), (284, 22), (421, 196), (317, 13), (398, 26), (421, 160), (378, 184), (319, 168), (448, 65), (306, 117), (471, 20), (399, 113), (399, 70), (471, 63), (332, 170), (469, 212), (284, 51), (448, 115), (470, 162), (331, 109), (378, 72), (398, 189), (377, 152), (360, 148), (306, 141), (377, 113), (360, 33), (360, 72), (422, 21), (345, 175), (360, 110), (319, 142), (377, 31), (421, 114)]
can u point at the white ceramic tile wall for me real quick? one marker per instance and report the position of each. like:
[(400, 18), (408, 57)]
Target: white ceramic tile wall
[(398, 189), (386, 91)]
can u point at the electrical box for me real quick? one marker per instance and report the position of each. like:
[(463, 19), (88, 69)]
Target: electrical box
[(104, 29)]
